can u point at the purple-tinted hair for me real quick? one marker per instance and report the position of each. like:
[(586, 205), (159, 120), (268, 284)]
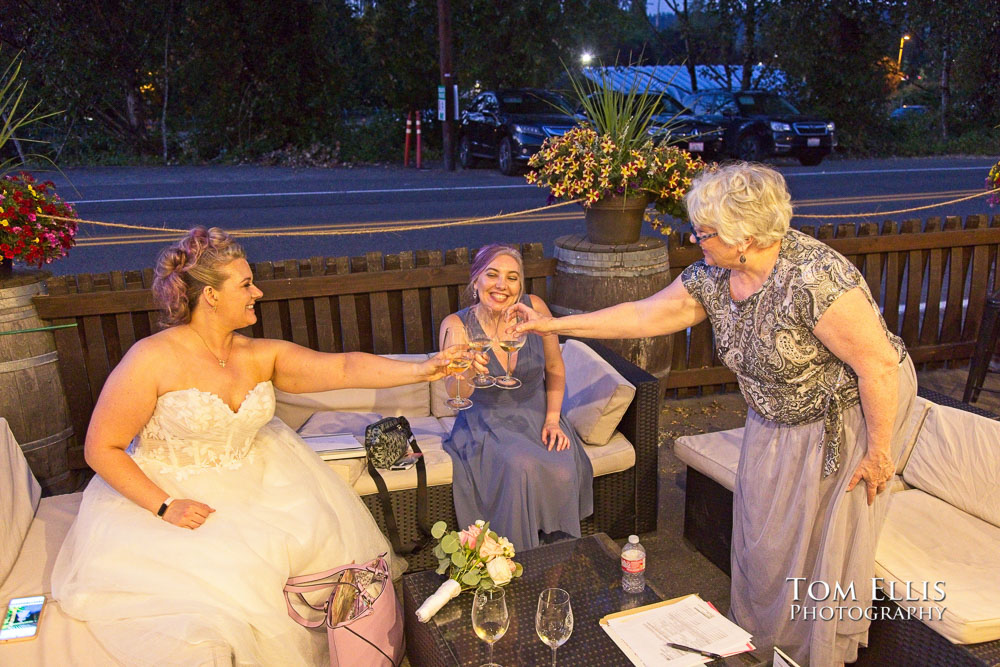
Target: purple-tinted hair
[(186, 268), (486, 255)]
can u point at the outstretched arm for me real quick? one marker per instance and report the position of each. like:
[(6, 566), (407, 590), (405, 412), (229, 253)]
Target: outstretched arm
[(297, 369), (669, 310)]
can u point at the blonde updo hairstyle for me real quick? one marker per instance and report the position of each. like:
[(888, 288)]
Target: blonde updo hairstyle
[(186, 268), (741, 201), (482, 261)]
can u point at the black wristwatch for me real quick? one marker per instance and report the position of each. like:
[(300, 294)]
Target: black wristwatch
[(163, 508)]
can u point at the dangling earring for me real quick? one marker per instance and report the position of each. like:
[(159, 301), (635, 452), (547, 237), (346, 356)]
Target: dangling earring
[(475, 296), (743, 259)]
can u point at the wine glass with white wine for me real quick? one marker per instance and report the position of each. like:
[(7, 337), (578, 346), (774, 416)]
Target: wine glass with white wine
[(490, 618), (554, 618), (455, 337), (480, 342), (509, 342)]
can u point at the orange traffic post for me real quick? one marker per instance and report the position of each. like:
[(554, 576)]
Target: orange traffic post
[(406, 148), (418, 140)]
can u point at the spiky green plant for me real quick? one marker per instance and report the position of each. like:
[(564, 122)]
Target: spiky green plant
[(11, 95)]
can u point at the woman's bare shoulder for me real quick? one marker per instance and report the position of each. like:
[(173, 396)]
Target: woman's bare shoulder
[(538, 304)]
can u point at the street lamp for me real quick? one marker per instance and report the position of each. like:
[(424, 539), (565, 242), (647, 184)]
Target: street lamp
[(899, 60), (586, 58)]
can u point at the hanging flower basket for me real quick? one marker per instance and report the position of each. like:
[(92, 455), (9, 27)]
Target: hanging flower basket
[(27, 232)]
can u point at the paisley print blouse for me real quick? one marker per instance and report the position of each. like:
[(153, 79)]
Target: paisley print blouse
[(785, 373)]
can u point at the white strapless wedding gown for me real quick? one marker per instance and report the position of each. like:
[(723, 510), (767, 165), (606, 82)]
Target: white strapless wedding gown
[(156, 594)]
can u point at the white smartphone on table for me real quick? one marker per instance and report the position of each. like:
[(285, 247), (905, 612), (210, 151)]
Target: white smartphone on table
[(20, 622)]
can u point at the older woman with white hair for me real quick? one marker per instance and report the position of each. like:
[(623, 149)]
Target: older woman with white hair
[(828, 388)]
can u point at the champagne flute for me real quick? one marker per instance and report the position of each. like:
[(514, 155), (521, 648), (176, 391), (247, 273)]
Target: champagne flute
[(480, 342), (510, 342), (490, 618), (554, 618), (455, 336)]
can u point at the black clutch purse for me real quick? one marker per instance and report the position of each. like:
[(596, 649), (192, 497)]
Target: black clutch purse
[(387, 441)]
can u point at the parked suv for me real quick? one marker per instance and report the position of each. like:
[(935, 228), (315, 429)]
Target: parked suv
[(509, 126), (674, 124), (759, 124)]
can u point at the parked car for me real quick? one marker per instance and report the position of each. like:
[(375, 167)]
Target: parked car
[(759, 124), (675, 124), (908, 112), (509, 126)]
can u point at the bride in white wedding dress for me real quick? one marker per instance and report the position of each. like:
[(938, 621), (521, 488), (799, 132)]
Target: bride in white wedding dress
[(204, 503)]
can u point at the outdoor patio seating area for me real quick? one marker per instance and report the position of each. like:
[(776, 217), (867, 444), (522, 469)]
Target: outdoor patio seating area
[(393, 305)]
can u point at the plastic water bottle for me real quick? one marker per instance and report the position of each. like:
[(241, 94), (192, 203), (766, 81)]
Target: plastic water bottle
[(633, 566)]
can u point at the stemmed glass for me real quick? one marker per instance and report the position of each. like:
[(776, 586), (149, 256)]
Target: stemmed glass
[(554, 618), (455, 336), (480, 342), (490, 618), (510, 342)]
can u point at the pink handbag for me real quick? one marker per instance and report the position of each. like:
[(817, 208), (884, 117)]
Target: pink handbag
[(372, 633)]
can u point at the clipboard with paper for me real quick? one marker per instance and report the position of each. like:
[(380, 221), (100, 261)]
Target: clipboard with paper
[(643, 633)]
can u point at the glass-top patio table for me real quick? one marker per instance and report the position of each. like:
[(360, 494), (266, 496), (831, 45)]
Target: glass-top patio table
[(588, 568)]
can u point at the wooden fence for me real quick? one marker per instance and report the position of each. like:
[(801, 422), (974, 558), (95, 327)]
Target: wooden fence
[(395, 303)]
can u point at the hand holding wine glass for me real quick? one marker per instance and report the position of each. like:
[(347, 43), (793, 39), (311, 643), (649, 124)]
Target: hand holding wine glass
[(480, 341), (490, 618), (510, 341), (554, 618), (454, 337)]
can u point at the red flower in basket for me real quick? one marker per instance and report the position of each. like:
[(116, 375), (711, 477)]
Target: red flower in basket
[(27, 232)]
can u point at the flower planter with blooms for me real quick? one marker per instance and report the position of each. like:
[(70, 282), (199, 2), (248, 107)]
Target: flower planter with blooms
[(993, 183), (27, 234), (475, 558), (583, 164)]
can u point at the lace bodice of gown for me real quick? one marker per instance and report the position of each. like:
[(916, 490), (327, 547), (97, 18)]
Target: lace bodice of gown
[(193, 429)]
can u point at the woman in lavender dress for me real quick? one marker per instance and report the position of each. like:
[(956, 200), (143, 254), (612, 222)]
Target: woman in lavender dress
[(516, 462)]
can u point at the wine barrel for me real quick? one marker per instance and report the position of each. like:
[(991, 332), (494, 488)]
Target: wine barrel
[(590, 277), (31, 391)]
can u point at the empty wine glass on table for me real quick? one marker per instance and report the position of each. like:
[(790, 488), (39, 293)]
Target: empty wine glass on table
[(480, 341), (490, 618), (510, 341), (554, 618), (455, 336)]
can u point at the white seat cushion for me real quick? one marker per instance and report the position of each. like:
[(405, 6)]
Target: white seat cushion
[(926, 539), (61, 640), (716, 455), (597, 395), (957, 459), (615, 456)]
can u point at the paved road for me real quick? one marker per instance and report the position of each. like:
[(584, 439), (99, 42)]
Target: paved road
[(357, 201)]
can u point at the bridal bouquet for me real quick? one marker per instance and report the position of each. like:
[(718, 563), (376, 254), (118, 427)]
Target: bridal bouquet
[(474, 558)]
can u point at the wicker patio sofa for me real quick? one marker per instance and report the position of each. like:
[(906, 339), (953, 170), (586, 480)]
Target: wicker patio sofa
[(943, 525), (598, 387)]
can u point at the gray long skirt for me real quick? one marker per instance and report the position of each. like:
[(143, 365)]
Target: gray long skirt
[(789, 522)]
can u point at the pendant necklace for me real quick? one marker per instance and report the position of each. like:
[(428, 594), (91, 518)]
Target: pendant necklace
[(222, 362)]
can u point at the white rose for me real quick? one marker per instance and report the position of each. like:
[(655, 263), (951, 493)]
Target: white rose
[(499, 571)]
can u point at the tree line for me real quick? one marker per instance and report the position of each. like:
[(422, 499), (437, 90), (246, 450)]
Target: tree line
[(196, 80)]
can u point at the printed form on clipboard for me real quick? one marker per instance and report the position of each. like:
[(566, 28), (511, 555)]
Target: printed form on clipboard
[(333, 446), (643, 633)]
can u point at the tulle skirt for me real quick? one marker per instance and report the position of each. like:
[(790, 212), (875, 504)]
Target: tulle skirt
[(156, 594)]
